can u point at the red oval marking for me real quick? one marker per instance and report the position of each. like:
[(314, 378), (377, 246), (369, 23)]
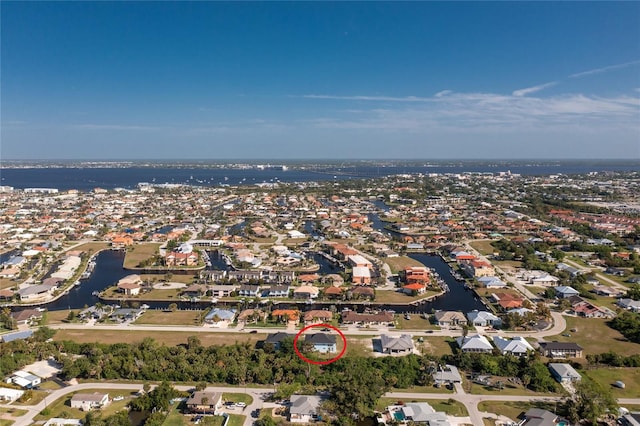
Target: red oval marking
[(310, 361)]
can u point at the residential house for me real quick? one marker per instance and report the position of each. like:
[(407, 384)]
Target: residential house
[(629, 304), (204, 402), (574, 272), (249, 290), (483, 319), (276, 339), (448, 374), (396, 345), (304, 408), (322, 342), (333, 292), (316, 316), (414, 289), (220, 317), (491, 282), (565, 292), (474, 343), (58, 421), (564, 373), (18, 335), (8, 395), (27, 316), (417, 275), (561, 349), (361, 275), (419, 413), (517, 346), (121, 242), (175, 258), (222, 290), (306, 292), (89, 401), (126, 314), (286, 315), (36, 292), (540, 417), (194, 290), (478, 268), (508, 301), (130, 285), (25, 379), (277, 291), (361, 292), (449, 319)]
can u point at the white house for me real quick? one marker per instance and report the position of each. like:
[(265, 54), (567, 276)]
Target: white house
[(565, 292), (304, 408), (8, 395), (89, 401), (483, 319), (517, 346), (564, 373), (25, 380), (475, 343)]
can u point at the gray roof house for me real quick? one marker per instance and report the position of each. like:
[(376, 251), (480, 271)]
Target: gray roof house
[(565, 292), (474, 343), (539, 417), (304, 408), (276, 339), (447, 374), (396, 345), (322, 342), (564, 373), (630, 304)]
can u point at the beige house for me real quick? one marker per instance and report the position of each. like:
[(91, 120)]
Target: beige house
[(205, 402), (89, 401), (130, 285)]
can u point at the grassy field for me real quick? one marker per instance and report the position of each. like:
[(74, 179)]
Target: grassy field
[(400, 263), (390, 296), (509, 389), (451, 407), (359, 347), (170, 338), (608, 376), (595, 336), (157, 317), (483, 247), (93, 247), (236, 420), (436, 345), (61, 405), (139, 253), (237, 397), (512, 409), (57, 317), (417, 322), (8, 283)]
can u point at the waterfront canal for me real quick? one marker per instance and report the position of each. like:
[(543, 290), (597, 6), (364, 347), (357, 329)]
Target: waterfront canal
[(109, 270)]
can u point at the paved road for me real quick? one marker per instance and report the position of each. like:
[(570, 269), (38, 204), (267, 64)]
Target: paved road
[(258, 395), (598, 275)]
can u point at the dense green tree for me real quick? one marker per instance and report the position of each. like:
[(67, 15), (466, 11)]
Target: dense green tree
[(590, 402)]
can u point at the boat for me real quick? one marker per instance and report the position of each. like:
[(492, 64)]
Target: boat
[(95, 293)]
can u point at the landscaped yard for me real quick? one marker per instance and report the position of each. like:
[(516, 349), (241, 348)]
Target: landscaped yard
[(140, 253), (237, 397), (400, 263), (391, 296), (159, 317), (416, 322), (177, 278), (595, 337), (451, 407), (171, 338), (508, 389), (58, 407)]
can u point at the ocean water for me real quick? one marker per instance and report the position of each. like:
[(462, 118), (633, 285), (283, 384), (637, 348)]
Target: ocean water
[(85, 179)]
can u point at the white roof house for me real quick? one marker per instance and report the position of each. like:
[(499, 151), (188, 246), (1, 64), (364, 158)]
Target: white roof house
[(516, 346), (483, 319), (492, 282), (9, 395), (474, 343), (25, 380), (564, 373), (565, 292)]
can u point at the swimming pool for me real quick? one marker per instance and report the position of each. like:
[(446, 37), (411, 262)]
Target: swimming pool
[(399, 415)]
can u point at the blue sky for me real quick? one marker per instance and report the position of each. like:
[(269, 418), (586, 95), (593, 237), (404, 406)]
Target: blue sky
[(270, 80)]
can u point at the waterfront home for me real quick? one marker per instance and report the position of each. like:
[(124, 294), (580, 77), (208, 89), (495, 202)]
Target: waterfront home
[(361, 292), (130, 285), (306, 292), (276, 339), (18, 335), (449, 319), (212, 276), (475, 343), (629, 304), (359, 261), (222, 290), (322, 342), (448, 374), (248, 290), (89, 401), (381, 318), (561, 349), (564, 373), (413, 412), (286, 315), (507, 301), (414, 289), (251, 315), (26, 316), (121, 241), (483, 319), (491, 282), (477, 268), (317, 316), (361, 275), (304, 408), (204, 402), (417, 275), (517, 346), (565, 292), (175, 258), (277, 291), (244, 275), (396, 345), (219, 317), (36, 292), (194, 290), (333, 292)]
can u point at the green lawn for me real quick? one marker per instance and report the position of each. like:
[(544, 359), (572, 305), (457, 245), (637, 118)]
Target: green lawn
[(595, 337), (608, 376), (451, 407), (237, 397), (156, 317), (416, 322), (236, 420), (400, 263), (484, 247), (436, 345), (139, 253), (62, 405), (93, 247), (509, 389)]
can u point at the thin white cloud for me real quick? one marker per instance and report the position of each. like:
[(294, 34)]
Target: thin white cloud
[(604, 69), (370, 98), (93, 126), (443, 93), (529, 90)]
